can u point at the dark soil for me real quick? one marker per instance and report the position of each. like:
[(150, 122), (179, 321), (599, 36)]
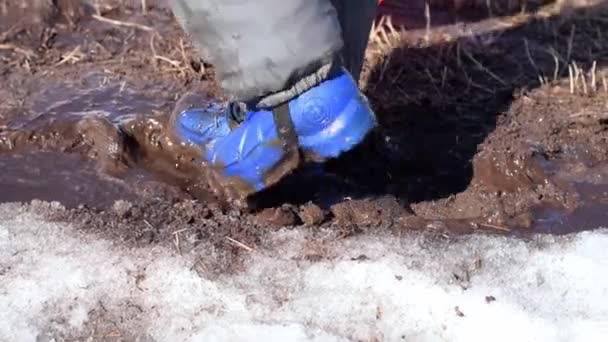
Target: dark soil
[(498, 125)]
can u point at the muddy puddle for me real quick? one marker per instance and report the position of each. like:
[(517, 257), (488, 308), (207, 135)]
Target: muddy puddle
[(102, 142), (462, 151), (61, 177)]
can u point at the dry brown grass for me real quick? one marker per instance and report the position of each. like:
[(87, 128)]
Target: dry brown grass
[(497, 56)]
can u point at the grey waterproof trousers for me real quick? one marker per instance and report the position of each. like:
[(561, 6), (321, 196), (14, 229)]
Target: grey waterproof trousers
[(270, 50)]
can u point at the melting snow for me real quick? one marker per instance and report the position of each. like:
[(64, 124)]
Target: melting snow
[(56, 281)]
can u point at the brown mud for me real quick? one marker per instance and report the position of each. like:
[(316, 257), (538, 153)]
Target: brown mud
[(496, 124)]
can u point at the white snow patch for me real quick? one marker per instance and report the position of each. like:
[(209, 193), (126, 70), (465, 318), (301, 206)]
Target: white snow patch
[(55, 281)]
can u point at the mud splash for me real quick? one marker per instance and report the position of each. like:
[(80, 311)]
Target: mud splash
[(118, 132)]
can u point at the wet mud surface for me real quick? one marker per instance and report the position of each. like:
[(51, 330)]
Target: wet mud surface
[(503, 130)]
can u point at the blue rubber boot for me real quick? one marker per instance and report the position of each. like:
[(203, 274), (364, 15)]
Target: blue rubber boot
[(265, 145)]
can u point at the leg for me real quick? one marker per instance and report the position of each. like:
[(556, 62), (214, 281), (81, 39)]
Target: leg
[(262, 47), (356, 19)]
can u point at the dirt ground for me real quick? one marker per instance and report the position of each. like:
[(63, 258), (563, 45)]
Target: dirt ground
[(496, 124)]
